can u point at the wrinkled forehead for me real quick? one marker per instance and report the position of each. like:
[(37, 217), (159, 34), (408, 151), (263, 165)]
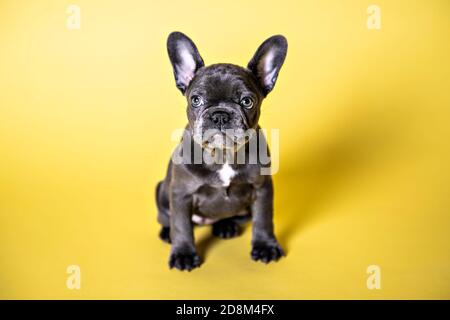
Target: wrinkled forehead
[(222, 81)]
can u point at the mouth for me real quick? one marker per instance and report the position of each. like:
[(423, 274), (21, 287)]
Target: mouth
[(229, 139)]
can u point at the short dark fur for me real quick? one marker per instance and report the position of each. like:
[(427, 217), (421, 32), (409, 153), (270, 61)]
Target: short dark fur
[(190, 189)]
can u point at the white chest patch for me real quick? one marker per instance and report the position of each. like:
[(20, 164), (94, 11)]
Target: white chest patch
[(226, 173)]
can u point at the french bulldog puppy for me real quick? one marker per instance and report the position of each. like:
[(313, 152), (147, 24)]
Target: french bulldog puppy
[(221, 98)]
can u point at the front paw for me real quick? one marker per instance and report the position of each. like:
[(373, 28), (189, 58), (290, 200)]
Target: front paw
[(266, 251), (184, 260)]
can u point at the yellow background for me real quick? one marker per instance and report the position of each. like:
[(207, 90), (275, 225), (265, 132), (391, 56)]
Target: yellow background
[(85, 123)]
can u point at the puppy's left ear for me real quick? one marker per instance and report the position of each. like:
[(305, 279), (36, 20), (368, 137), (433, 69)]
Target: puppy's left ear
[(185, 59), (267, 61)]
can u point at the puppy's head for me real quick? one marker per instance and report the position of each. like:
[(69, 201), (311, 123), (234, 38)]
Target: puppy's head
[(224, 100)]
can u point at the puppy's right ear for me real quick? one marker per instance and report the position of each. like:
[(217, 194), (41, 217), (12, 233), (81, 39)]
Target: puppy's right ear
[(185, 59)]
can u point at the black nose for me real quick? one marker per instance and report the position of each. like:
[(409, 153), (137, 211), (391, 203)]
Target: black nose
[(220, 117)]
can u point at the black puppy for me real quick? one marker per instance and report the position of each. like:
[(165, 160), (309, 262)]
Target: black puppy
[(221, 98)]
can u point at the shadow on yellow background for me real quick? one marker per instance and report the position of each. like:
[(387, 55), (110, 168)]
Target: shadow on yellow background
[(86, 118)]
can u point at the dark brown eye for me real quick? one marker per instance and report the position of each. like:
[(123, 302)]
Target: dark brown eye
[(247, 102), (196, 101)]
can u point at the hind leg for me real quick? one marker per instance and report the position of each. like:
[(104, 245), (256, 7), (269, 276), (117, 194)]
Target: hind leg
[(164, 234), (162, 202), (230, 227)]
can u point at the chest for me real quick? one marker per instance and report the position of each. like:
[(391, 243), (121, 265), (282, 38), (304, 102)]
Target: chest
[(227, 191), (225, 175)]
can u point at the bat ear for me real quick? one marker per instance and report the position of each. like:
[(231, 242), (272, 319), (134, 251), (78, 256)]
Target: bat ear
[(184, 57), (267, 61)]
